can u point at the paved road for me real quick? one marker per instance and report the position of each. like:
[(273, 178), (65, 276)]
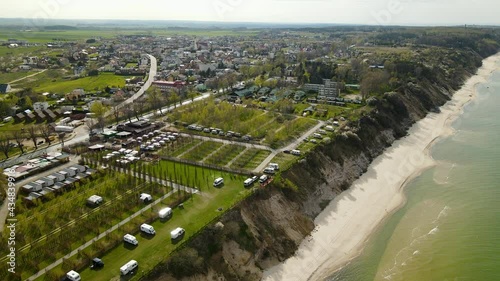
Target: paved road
[(152, 73)]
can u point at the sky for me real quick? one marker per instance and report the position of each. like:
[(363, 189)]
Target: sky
[(372, 12)]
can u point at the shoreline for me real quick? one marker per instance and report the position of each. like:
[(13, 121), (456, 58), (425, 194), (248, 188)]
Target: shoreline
[(345, 225)]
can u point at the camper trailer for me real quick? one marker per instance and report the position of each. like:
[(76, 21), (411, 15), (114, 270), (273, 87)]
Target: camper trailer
[(48, 181), (177, 233), (94, 200), (128, 267), (165, 213), (70, 172), (73, 276)]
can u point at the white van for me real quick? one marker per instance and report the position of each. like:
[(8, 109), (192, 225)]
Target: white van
[(165, 213), (176, 233), (73, 276), (248, 182), (263, 178), (269, 170), (295, 152), (128, 267), (218, 181), (274, 166), (148, 229), (130, 239)]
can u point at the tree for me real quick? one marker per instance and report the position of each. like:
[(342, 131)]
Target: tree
[(19, 136), (33, 135), (173, 97), (98, 111), (374, 82), (61, 138), (116, 112), (138, 107), (191, 95), (46, 131), (5, 146), (155, 98)]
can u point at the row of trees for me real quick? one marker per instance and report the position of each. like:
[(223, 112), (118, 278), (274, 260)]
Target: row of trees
[(34, 132)]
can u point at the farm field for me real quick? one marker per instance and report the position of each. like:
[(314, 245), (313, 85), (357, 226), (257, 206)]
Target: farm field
[(250, 159), (225, 154), (201, 151), (42, 83), (196, 213), (179, 147)]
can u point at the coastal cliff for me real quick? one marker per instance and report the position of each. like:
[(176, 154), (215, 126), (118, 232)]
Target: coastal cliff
[(267, 227)]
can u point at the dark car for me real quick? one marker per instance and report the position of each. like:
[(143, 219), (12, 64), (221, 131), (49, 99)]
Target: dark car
[(97, 263)]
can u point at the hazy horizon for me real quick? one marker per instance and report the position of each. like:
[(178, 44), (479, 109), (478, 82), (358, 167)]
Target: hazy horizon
[(343, 12)]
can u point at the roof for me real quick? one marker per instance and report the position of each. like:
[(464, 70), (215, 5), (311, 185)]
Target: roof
[(4, 88), (243, 93)]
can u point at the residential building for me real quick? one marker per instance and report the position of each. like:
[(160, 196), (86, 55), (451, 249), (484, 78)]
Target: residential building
[(165, 86), (4, 88)]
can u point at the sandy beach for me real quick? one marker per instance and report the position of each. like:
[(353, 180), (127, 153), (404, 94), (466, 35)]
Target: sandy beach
[(345, 225)]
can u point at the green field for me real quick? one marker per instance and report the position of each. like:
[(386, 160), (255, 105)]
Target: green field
[(44, 83), (224, 155), (106, 33), (201, 151), (179, 147), (8, 77), (250, 159)]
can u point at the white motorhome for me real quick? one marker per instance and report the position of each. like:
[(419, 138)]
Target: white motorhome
[(130, 239), (63, 129), (263, 178), (70, 172), (73, 276), (144, 197), (148, 229), (248, 182), (274, 166), (32, 187), (295, 152), (165, 213), (128, 267), (218, 181), (48, 181), (94, 200), (176, 233)]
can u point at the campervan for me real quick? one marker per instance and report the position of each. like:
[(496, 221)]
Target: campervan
[(218, 181), (165, 213), (128, 267), (94, 200), (130, 239), (176, 233), (248, 182), (263, 178), (148, 229), (73, 276), (295, 152)]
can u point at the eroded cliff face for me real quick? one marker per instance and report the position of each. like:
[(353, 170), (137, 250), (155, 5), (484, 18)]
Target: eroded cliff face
[(267, 227)]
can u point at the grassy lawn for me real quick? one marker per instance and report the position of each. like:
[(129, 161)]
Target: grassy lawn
[(19, 51), (289, 131), (90, 83), (202, 151), (225, 154), (250, 159), (182, 145), (11, 76), (197, 213)]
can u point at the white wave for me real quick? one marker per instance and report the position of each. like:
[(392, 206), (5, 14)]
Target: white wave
[(434, 230)]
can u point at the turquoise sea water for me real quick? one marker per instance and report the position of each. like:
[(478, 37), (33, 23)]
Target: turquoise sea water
[(449, 228)]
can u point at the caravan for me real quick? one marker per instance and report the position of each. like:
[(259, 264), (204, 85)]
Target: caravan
[(128, 267), (148, 229), (130, 239), (165, 213)]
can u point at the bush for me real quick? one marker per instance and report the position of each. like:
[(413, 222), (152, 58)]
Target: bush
[(186, 263)]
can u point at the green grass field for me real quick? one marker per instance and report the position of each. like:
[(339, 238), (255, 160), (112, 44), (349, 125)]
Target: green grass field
[(179, 147), (250, 159), (225, 154), (90, 83), (197, 213), (8, 77), (202, 151)]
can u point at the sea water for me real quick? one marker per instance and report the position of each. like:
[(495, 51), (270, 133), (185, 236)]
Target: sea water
[(449, 228)]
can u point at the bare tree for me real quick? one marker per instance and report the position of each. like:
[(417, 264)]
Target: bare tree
[(155, 98), (5, 146), (61, 136), (116, 112), (33, 135), (19, 137), (46, 131)]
